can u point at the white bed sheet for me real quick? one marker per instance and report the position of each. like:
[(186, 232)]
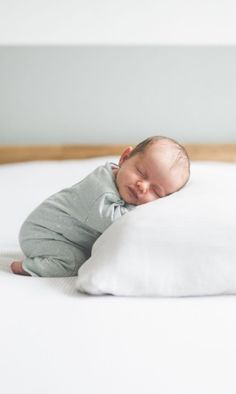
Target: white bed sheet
[(55, 340)]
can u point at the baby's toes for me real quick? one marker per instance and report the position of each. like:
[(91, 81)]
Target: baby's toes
[(16, 267)]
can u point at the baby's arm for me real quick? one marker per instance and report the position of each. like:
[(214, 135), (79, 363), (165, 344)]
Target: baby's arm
[(99, 200), (16, 267), (106, 210)]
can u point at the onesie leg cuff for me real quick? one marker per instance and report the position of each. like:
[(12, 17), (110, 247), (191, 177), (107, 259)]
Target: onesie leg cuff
[(26, 265)]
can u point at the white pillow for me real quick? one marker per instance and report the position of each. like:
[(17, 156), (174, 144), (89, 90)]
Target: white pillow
[(180, 245)]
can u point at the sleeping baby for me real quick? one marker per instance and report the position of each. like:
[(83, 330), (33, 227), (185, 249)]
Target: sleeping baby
[(57, 237)]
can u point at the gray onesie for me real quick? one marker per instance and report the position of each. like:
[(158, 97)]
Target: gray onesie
[(58, 235)]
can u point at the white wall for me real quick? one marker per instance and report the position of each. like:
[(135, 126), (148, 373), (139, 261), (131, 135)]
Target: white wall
[(122, 22), (84, 71), (105, 94)]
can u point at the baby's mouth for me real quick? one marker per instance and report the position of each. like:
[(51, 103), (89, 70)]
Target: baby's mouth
[(133, 192)]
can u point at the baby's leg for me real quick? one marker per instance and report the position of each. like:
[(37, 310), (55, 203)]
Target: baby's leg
[(52, 258), (16, 267), (49, 267), (49, 254)]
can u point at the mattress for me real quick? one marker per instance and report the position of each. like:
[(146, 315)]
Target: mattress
[(54, 339)]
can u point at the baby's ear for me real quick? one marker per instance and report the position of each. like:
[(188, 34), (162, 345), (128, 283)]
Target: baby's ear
[(125, 155)]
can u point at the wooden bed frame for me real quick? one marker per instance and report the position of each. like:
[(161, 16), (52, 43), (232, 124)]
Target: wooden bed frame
[(21, 153)]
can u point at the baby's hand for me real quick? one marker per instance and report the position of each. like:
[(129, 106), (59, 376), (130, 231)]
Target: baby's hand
[(16, 267)]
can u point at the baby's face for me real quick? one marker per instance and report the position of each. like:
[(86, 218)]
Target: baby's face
[(148, 175)]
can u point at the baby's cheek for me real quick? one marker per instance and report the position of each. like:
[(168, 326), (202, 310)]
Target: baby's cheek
[(120, 190)]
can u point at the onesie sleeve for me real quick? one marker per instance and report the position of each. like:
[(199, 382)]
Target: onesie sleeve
[(94, 201), (105, 210), (100, 202)]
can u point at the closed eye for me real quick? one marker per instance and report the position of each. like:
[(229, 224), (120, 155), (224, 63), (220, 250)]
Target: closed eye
[(156, 193), (140, 172)]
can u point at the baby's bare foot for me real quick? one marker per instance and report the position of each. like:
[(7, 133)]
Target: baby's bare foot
[(16, 267)]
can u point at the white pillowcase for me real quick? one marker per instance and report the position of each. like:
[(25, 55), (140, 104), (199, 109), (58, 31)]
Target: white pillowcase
[(180, 245)]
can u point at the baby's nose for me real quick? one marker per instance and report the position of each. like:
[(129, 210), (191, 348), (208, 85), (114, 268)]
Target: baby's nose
[(142, 186)]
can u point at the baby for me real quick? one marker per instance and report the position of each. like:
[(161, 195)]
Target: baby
[(57, 237)]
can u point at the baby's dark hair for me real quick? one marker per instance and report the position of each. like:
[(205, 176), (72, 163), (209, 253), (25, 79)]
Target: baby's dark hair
[(182, 154)]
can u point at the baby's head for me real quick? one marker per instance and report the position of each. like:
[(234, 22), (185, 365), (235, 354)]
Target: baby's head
[(155, 168)]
